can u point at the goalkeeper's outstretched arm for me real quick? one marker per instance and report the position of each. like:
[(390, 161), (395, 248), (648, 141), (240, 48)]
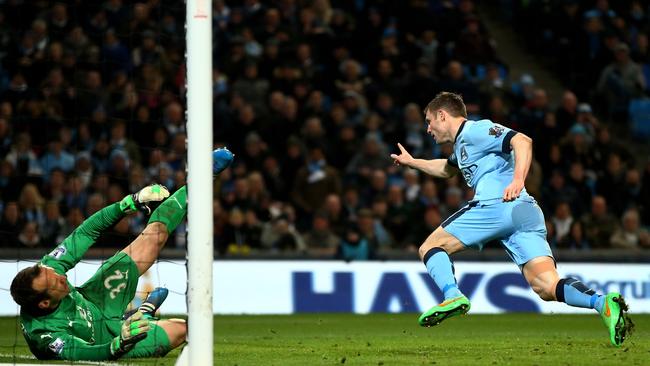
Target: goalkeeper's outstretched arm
[(64, 346), (67, 254)]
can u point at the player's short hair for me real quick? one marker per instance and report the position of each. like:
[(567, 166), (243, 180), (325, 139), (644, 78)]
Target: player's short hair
[(452, 103), (23, 292)]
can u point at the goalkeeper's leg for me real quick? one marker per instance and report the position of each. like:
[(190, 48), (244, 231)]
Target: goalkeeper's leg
[(145, 248), (164, 336), (176, 330), (542, 276)]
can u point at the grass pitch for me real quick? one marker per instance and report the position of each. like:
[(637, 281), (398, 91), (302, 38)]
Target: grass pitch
[(396, 339)]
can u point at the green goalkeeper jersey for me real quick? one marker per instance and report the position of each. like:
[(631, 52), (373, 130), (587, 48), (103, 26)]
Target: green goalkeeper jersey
[(83, 325)]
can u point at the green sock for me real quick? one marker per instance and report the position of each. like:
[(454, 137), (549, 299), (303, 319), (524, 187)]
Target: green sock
[(172, 211)]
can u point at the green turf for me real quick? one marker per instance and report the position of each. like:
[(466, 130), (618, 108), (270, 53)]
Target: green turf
[(388, 339)]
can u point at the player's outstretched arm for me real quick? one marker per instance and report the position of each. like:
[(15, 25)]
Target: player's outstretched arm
[(522, 146), (439, 168), (64, 346)]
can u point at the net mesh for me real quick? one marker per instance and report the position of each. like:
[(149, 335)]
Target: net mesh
[(92, 109)]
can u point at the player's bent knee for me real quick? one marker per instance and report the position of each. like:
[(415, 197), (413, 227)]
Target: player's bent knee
[(158, 232), (443, 240)]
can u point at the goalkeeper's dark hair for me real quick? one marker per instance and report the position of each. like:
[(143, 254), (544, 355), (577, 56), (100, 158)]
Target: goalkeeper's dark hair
[(24, 294), (452, 103)]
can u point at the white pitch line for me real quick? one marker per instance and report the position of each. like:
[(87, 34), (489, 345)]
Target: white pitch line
[(23, 357)]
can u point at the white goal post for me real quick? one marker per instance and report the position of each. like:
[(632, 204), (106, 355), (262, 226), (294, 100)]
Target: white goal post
[(199, 146)]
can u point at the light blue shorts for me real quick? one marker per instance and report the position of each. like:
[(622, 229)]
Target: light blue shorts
[(518, 224)]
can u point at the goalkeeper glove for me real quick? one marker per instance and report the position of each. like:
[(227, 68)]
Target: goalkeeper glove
[(133, 330), (139, 200)]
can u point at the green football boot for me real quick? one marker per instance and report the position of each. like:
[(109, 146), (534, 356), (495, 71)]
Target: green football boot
[(457, 306), (615, 318)]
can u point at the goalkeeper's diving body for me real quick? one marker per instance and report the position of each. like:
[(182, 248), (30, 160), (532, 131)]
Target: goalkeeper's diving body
[(60, 321), (494, 160)]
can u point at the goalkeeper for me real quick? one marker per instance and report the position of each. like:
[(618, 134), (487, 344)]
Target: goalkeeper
[(85, 323)]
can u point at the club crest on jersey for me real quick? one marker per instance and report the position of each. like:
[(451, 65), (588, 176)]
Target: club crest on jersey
[(57, 252), (57, 346), (463, 154), (496, 131)]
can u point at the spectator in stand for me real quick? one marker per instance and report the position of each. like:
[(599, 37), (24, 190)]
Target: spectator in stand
[(576, 239), (235, 237), (314, 181), (599, 225), (377, 187), (533, 114), (620, 82), (52, 225), (562, 220), (29, 236), (494, 85), (95, 203), (611, 182), (415, 138), (119, 140), (606, 145), (372, 156), (321, 240), (259, 197), (641, 47), (550, 233), (631, 235), (412, 185), (582, 185), (280, 234), (456, 81), (22, 157), (586, 119), (10, 224), (354, 246), (5, 136), (32, 204), (632, 190), (252, 88), (428, 196), (557, 191), (372, 227), (333, 208), (398, 214), (420, 84), (452, 203), (577, 147), (473, 45), (567, 113), (429, 221)]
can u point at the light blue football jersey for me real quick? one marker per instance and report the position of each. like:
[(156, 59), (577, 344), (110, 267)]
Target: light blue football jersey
[(483, 154)]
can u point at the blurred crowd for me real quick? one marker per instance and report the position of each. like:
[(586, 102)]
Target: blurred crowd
[(312, 96)]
